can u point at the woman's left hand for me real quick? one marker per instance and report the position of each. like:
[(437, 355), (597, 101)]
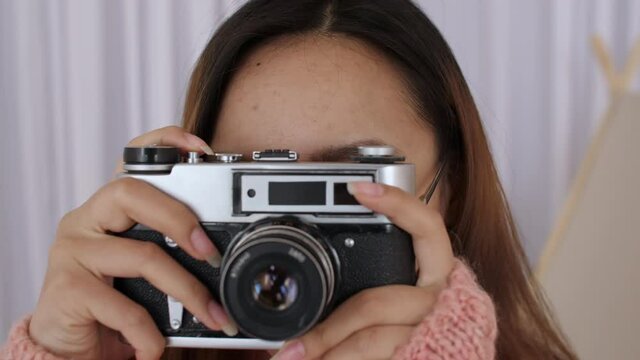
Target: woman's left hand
[(376, 321)]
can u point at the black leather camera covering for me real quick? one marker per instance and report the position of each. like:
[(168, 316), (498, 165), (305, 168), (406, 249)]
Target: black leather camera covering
[(381, 255)]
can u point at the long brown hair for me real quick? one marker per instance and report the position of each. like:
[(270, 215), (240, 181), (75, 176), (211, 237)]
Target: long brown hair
[(477, 211)]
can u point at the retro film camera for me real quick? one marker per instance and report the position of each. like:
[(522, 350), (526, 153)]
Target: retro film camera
[(295, 243)]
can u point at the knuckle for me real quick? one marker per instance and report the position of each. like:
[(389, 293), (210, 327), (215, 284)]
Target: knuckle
[(396, 193), (67, 243), (135, 141), (394, 190), (430, 295), (122, 188), (148, 252), (195, 288), (57, 251), (321, 336), (432, 216), (370, 302), (194, 295), (135, 317), (66, 220), (143, 139), (367, 339), (172, 129), (431, 222), (67, 282), (181, 221), (67, 224), (184, 216)]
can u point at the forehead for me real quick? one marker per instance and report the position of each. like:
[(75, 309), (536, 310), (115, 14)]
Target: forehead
[(309, 93)]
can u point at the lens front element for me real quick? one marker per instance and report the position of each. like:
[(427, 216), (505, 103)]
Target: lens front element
[(275, 289)]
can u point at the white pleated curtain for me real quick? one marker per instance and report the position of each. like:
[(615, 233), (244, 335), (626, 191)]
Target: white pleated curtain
[(79, 78)]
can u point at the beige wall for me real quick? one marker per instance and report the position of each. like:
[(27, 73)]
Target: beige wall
[(591, 270)]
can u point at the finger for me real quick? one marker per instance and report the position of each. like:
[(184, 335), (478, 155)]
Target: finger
[(376, 342), (126, 201), (371, 307), (431, 242), (120, 257), (171, 136), (114, 310)]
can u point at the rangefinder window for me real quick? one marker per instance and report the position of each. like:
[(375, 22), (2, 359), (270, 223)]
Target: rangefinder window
[(298, 193), (341, 195)]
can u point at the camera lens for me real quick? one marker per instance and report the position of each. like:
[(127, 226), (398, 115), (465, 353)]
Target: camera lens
[(277, 279), (275, 289)]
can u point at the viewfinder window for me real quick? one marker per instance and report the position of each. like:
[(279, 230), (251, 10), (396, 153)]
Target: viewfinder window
[(298, 193)]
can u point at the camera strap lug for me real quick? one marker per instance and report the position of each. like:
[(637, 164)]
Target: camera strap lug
[(175, 312)]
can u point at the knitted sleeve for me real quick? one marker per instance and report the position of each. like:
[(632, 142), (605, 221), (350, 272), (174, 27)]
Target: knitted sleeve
[(462, 324), (19, 345)]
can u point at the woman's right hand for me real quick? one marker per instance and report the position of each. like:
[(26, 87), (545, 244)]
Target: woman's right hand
[(79, 313)]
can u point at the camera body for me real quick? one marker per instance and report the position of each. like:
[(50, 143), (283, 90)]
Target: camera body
[(295, 244)]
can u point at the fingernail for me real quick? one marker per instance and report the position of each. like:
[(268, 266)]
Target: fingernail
[(204, 247), (218, 315), (230, 330), (365, 188), (291, 351), (199, 143), (214, 261), (206, 149)]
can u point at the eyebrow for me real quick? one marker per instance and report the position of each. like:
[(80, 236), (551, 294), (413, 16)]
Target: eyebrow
[(335, 153)]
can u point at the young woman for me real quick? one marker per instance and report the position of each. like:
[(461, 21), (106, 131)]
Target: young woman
[(321, 77)]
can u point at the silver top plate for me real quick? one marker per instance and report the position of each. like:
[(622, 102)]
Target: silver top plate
[(208, 188)]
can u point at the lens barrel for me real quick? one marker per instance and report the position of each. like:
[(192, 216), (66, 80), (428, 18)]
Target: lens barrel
[(276, 280)]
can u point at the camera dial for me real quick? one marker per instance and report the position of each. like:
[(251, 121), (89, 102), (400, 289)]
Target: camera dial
[(379, 154), (156, 158)]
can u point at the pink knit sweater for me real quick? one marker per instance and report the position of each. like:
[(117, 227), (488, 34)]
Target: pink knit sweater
[(462, 325)]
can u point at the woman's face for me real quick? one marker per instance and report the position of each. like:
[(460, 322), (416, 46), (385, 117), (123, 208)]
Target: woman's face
[(320, 96)]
